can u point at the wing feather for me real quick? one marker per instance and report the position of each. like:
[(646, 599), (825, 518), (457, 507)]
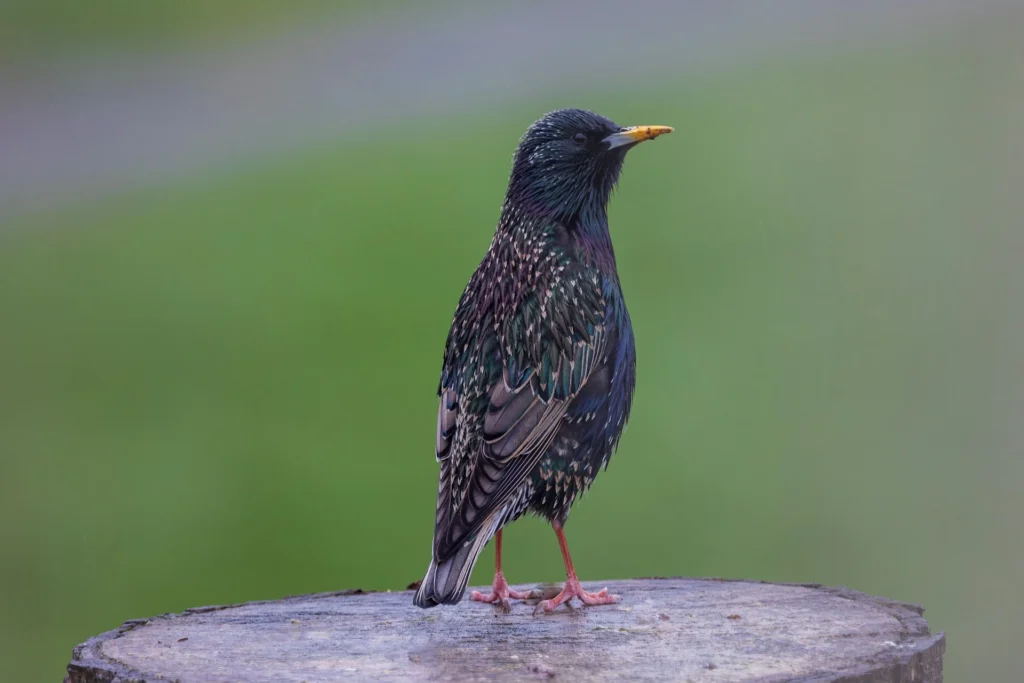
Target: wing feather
[(518, 427), (447, 412)]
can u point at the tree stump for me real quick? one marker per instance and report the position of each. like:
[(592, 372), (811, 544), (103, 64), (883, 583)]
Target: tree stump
[(662, 629)]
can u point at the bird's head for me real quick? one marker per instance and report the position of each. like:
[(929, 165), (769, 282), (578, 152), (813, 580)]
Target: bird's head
[(568, 162)]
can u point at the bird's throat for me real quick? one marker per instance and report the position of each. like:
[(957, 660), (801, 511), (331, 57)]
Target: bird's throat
[(590, 230)]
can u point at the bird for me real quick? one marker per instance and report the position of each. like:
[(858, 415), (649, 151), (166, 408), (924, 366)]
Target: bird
[(539, 364)]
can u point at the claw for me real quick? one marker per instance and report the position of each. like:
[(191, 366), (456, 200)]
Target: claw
[(501, 594)]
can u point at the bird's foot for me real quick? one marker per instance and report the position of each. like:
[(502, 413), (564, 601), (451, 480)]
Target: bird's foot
[(573, 589), (501, 594)]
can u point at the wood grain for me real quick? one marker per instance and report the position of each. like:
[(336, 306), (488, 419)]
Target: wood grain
[(663, 629)]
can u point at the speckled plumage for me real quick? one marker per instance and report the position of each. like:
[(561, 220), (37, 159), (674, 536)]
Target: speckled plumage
[(539, 365)]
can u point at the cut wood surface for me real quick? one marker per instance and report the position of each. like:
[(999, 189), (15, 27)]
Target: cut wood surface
[(662, 629)]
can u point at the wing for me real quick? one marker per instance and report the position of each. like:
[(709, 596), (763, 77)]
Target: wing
[(519, 424)]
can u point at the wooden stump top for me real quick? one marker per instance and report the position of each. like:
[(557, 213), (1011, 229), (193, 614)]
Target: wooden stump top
[(663, 629)]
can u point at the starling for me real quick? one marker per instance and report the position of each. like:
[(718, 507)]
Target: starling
[(539, 365)]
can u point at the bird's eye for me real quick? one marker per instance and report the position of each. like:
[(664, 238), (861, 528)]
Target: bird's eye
[(579, 138)]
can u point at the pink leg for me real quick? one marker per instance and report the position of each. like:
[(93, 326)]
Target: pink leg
[(500, 592), (573, 589)]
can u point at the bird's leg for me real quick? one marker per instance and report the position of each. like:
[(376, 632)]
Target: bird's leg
[(573, 589), (500, 592)]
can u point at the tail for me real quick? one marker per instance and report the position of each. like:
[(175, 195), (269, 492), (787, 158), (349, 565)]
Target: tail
[(445, 582)]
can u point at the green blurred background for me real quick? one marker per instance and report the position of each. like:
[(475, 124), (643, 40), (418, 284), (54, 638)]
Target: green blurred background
[(221, 388)]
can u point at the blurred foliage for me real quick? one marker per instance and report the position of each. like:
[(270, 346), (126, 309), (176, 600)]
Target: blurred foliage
[(225, 391)]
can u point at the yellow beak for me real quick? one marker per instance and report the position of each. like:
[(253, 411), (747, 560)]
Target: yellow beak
[(630, 136)]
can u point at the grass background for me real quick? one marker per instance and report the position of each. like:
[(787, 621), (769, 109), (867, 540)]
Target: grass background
[(42, 28), (224, 390)]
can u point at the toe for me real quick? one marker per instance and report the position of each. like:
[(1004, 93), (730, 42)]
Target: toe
[(601, 598)]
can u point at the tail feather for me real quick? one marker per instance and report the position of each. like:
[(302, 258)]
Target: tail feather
[(445, 582)]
